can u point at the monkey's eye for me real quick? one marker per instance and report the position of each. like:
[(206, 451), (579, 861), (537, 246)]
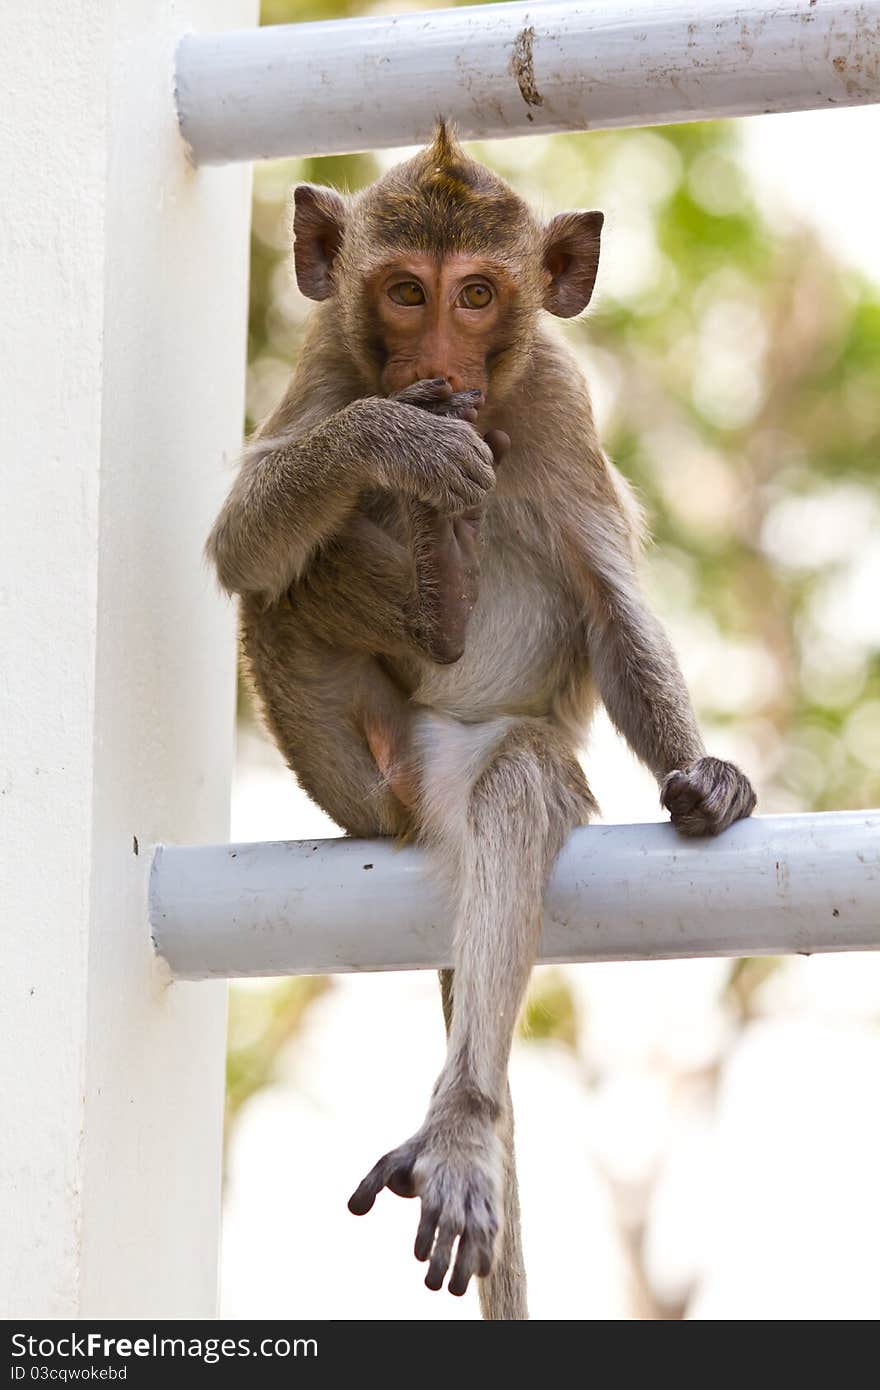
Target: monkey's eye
[(408, 292), (476, 296)]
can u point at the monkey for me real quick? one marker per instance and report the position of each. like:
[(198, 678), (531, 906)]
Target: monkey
[(438, 571)]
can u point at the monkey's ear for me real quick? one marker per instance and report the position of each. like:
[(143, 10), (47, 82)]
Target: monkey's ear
[(318, 225), (571, 259)]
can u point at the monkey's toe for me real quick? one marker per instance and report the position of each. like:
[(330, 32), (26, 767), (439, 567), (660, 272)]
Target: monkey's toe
[(394, 1171), (473, 1257), (460, 1202), (473, 1223), (455, 1177)]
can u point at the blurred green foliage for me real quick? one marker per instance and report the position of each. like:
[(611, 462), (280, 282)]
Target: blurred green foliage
[(736, 369), (262, 1020), (744, 982), (550, 1011)]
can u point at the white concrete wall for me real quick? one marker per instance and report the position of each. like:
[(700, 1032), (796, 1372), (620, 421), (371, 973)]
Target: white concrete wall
[(122, 338)]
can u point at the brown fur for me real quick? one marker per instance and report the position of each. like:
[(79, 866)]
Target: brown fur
[(424, 679)]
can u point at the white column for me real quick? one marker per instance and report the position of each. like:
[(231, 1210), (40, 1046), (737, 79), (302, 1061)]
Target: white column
[(122, 337)]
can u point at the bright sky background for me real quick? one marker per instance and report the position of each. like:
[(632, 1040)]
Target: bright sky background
[(824, 166)]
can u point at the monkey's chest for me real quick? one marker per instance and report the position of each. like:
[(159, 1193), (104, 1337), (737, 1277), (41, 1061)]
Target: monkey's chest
[(517, 649)]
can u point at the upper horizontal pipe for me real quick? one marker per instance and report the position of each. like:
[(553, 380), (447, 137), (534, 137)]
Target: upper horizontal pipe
[(768, 886), (514, 69)]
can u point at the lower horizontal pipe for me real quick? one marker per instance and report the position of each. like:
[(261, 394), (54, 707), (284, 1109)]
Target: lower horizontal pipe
[(772, 885)]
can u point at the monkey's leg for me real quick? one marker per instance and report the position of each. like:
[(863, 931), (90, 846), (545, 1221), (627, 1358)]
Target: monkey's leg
[(368, 594), (499, 802), (358, 593), (318, 702), (372, 592), (339, 718), (504, 1292)]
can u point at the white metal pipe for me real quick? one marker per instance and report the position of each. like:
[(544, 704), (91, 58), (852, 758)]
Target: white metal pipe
[(772, 885), (514, 69)]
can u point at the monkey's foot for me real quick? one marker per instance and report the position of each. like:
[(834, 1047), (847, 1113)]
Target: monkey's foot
[(455, 1170), (707, 796)]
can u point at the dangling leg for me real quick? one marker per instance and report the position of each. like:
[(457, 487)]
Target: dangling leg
[(504, 1292), (497, 802)]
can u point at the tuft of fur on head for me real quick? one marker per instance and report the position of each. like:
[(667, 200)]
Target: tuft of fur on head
[(445, 147), (444, 202)]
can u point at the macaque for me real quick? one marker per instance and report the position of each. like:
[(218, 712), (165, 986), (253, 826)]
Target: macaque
[(437, 567)]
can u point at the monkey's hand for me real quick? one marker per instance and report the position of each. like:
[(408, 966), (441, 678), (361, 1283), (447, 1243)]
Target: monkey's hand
[(437, 396), (424, 456), (454, 1166), (707, 796)]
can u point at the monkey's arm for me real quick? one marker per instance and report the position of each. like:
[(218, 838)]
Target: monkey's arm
[(640, 682), (294, 493), (630, 658), (643, 689)]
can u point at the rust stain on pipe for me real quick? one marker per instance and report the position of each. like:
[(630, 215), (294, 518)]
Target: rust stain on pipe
[(522, 65)]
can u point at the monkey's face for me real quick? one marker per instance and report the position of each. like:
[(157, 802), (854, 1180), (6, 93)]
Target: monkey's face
[(440, 269), (441, 316)]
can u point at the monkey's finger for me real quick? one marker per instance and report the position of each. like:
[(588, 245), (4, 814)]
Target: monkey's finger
[(694, 826), (471, 399), (680, 795), (478, 461), (362, 1199), (461, 405), (426, 393), (467, 1260), (425, 1234), (441, 1256), (450, 411), (499, 443), (467, 485), (435, 388)]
